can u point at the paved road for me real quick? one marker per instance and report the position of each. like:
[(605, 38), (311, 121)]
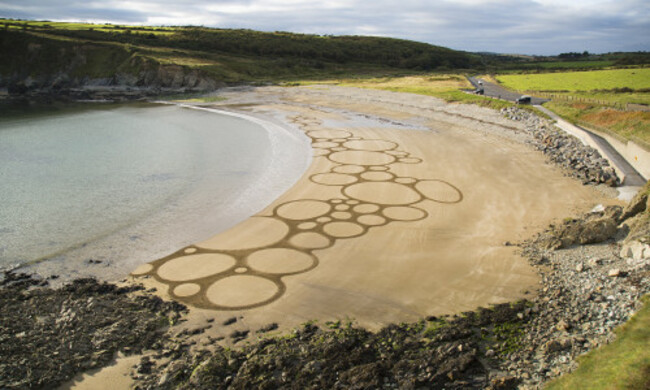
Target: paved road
[(494, 90)]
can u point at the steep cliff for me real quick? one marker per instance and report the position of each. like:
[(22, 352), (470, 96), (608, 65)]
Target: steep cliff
[(39, 63)]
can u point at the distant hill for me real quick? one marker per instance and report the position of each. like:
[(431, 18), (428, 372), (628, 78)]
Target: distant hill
[(61, 55)]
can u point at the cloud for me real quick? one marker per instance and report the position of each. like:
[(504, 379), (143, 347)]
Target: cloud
[(506, 26)]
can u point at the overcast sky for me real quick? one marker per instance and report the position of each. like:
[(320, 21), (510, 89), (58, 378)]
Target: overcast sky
[(503, 26)]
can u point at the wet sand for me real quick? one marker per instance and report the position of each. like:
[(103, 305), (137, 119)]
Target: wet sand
[(404, 213)]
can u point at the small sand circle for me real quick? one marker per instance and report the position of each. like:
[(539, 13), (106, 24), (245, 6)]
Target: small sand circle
[(186, 290), (342, 207), (190, 250), (303, 209), (241, 291), (307, 225), (280, 261), (310, 240), (371, 220), (341, 215), (377, 176), (195, 266), (404, 213), (343, 229), (365, 208)]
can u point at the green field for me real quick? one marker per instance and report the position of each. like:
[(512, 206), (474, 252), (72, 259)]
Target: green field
[(635, 79)]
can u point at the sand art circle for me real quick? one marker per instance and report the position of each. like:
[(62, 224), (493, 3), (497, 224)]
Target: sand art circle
[(377, 176), (371, 220), (439, 191), (400, 213), (241, 291), (378, 168), (320, 152), (325, 144), (352, 202), (324, 219), (361, 157), (330, 134), (343, 229), (241, 270), (366, 208), (186, 289), (372, 145), (190, 250), (386, 193), (333, 179), (397, 153), (307, 225), (405, 180), (342, 207), (349, 169), (280, 261), (195, 266), (254, 232), (142, 269), (303, 209), (341, 215), (310, 240)]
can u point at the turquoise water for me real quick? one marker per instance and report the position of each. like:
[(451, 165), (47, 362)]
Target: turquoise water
[(127, 184)]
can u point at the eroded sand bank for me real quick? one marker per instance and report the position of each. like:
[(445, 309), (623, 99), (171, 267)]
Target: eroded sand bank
[(403, 213)]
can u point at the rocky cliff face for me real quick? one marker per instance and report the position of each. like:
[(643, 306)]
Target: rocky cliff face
[(42, 66)]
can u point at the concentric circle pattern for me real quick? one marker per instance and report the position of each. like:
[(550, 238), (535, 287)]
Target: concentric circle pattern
[(243, 267)]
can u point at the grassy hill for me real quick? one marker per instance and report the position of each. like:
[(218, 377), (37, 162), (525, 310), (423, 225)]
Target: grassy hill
[(80, 52)]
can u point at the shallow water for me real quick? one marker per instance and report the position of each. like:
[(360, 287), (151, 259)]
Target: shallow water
[(127, 184)]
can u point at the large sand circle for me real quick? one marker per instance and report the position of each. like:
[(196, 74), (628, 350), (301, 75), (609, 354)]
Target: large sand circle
[(386, 193), (195, 266), (310, 240), (241, 291), (280, 261)]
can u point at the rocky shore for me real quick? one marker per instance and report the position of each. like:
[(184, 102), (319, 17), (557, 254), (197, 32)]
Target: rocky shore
[(584, 162), (593, 278)]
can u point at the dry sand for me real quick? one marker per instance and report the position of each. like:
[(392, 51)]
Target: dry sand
[(403, 213)]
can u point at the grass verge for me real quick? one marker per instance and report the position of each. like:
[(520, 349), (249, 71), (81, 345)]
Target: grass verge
[(623, 364)]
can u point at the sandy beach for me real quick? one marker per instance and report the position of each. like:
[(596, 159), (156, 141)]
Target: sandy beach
[(406, 211)]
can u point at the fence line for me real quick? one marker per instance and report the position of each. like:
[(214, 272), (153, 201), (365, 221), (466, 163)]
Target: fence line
[(580, 99)]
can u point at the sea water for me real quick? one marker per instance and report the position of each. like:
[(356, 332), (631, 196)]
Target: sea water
[(97, 191)]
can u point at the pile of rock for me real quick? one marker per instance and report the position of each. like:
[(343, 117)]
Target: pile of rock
[(588, 289), (584, 162)]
